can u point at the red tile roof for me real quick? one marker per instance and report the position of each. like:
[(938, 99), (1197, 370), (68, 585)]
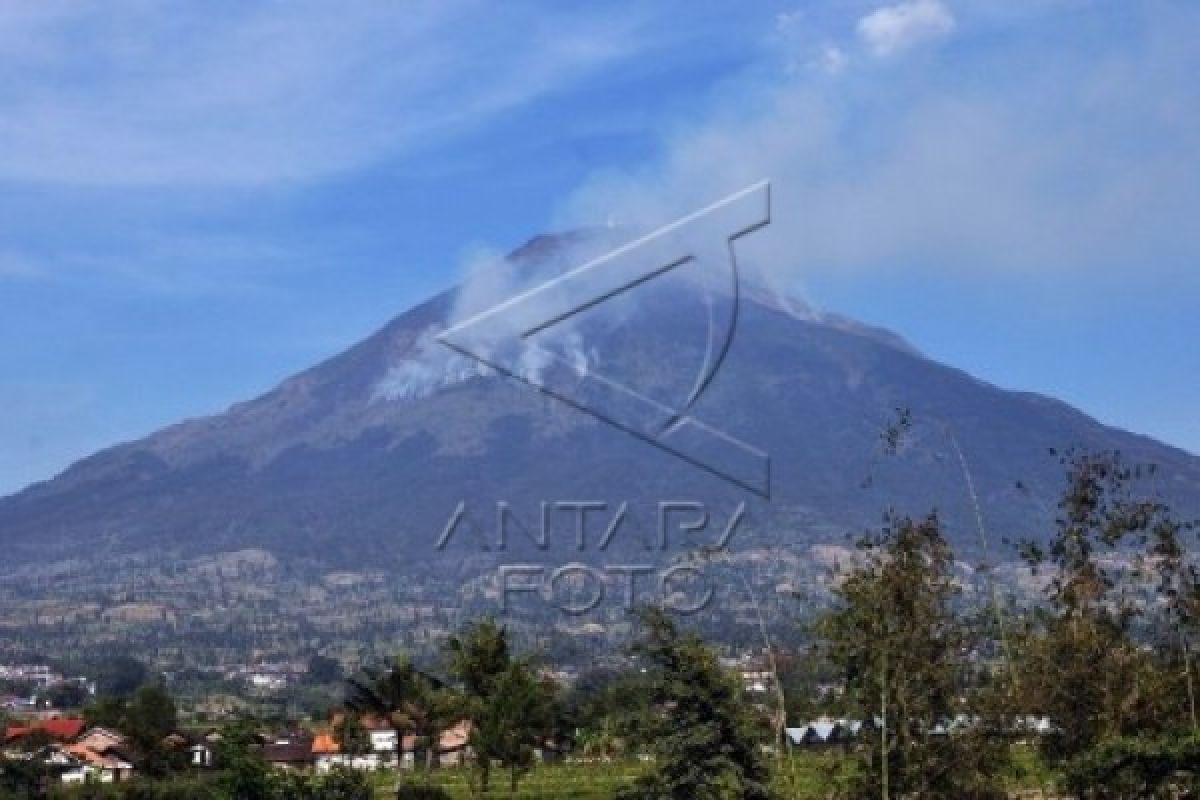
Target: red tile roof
[(63, 730)]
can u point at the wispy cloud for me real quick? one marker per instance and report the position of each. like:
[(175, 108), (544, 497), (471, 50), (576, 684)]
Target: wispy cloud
[(1009, 156), (142, 94), (15, 265), (893, 29)]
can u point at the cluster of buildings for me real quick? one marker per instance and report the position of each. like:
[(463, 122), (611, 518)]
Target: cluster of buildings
[(384, 749), (18, 704), (40, 676), (826, 732), (71, 750), (267, 677), (34, 681), (754, 671), (829, 732)]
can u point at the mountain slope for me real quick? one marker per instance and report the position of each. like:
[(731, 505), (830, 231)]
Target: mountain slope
[(364, 458)]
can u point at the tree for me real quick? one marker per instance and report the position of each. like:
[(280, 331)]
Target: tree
[(351, 735), (1163, 766), (67, 694), (322, 669), (608, 710), (516, 718), (707, 743), (341, 784), (898, 645), (34, 741), (1178, 587), (410, 700), (22, 778), (1082, 665), (478, 657), (107, 712), (151, 714), (120, 676), (146, 718), (244, 773)]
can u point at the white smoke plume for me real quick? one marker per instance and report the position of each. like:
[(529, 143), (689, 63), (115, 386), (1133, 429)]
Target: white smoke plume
[(489, 279), (899, 157), (947, 155)]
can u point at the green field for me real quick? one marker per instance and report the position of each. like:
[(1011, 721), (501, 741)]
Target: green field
[(803, 776), (568, 781)]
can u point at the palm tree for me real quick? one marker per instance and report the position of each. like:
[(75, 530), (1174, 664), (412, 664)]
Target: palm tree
[(409, 700)]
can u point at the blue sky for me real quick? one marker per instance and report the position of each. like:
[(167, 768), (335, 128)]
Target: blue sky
[(196, 201)]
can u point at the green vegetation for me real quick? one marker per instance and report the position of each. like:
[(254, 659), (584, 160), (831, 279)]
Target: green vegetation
[(1108, 656), (512, 712), (421, 791), (1164, 766), (898, 644), (148, 717), (351, 735), (410, 700), (1089, 694), (706, 742)]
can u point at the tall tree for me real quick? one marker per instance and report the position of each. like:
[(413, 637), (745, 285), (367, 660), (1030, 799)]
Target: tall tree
[(24, 778), (146, 718), (479, 655), (707, 741), (351, 735), (1179, 589), (517, 718), (322, 669), (410, 700), (120, 676), (899, 646), (1083, 666), (479, 658)]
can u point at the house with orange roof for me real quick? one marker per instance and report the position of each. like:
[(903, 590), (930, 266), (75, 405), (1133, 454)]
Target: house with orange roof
[(454, 745), (452, 749), (62, 729), (327, 754), (325, 745), (100, 739), (108, 766)]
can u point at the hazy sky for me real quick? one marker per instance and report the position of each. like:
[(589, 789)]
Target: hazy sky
[(196, 203)]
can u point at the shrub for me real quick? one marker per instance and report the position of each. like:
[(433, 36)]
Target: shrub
[(1164, 766), (342, 784), (420, 791)]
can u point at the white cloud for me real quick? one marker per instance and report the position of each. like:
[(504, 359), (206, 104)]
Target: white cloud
[(1081, 158), (139, 94), (792, 39), (893, 29), (832, 59)]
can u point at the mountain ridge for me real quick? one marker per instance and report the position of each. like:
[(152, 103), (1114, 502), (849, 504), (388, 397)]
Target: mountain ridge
[(381, 441)]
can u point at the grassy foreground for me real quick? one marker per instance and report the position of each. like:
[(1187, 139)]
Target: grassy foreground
[(803, 776), (567, 781)]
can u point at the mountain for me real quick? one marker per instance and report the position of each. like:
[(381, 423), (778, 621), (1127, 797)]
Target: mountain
[(364, 459)]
